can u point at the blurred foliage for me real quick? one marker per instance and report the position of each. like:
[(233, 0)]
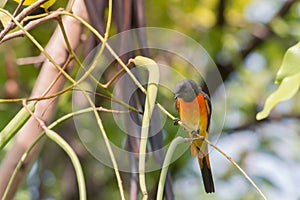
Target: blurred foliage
[(267, 150)]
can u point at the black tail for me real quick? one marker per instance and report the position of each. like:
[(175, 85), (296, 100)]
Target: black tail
[(207, 177)]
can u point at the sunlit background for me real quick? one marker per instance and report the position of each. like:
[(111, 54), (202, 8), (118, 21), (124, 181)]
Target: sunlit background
[(267, 150)]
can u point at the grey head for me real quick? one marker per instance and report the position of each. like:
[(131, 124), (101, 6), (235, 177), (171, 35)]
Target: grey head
[(186, 89)]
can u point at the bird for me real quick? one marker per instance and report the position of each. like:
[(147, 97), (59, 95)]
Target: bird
[(194, 109)]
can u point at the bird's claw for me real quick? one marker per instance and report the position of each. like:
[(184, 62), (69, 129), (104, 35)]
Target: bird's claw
[(176, 120), (195, 132)]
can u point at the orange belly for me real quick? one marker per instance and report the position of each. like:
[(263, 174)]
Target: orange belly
[(194, 114)]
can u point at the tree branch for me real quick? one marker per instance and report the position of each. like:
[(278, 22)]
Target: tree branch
[(31, 25), (10, 25), (221, 11), (44, 109)]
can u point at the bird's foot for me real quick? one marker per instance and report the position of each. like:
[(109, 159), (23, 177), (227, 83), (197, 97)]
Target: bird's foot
[(195, 132), (176, 120)]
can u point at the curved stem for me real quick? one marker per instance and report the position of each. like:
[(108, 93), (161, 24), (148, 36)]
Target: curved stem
[(51, 126), (151, 94), (165, 167), (67, 148)]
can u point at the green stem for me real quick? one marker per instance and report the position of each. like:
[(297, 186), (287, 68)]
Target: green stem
[(76, 83), (151, 94), (165, 167), (24, 156), (14, 125), (19, 165), (68, 149), (113, 53), (51, 126), (39, 46)]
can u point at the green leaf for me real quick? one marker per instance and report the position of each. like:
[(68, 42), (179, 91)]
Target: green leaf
[(288, 77), (287, 89), (15, 124), (290, 64)]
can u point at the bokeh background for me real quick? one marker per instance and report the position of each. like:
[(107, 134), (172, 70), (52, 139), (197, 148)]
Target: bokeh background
[(247, 40)]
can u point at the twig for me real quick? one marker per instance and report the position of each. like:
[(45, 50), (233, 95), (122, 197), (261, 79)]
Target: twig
[(19, 165), (221, 13), (30, 131), (36, 60), (215, 147), (237, 166), (21, 16), (51, 126), (66, 147), (31, 25), (87, 73), (18, 9), (113, 53)]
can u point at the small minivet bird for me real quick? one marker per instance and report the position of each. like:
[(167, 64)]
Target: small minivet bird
[(195, 110)]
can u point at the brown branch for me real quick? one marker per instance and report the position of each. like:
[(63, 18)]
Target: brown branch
[(10, 25), (285, 8), (32, 24), (139, 20), (44, 109), (18, 8), (275, 117), (36, 60), (262, 32), (221, 13)]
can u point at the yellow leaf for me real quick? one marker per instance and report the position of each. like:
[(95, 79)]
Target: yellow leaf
[(287, 89), (46, 5), (290, 64), (4, 19)]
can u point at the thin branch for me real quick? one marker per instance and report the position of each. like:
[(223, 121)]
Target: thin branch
[(274, 117), (87, 73), (285, 8), (36, 60), (179, 140), (30, 131), (221, 13), (67, 148), (163, 174), (18, 8), (238, 167), (25, 12), (32, 24)]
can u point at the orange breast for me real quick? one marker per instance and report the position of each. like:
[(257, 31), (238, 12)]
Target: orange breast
[(194, 114)]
